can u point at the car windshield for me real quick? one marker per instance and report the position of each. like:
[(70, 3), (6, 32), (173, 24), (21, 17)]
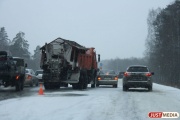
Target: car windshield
[(107, 72), (39, 72), (27, 71), (137, 69), (19, 62)]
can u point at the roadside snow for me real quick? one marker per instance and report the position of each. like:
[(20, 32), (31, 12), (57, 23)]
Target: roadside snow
[(103, 103)]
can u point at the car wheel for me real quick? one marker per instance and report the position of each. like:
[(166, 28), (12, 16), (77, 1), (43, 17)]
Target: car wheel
[(115, 86), (150, 88), (125, 88)]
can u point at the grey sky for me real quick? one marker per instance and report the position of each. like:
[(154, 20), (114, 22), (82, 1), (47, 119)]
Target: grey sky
[(116, 28)]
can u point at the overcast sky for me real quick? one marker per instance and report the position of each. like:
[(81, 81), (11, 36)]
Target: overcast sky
[(116, 28)]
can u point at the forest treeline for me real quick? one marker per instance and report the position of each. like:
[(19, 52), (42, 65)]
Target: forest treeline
[(162, 54), (19, 47)]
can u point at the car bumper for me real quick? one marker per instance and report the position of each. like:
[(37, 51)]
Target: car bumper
[(137, 83), (28, 82), (107, 82)]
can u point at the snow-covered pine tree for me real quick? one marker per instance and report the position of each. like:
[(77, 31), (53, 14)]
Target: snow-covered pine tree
[(4, 41), (19, 46)]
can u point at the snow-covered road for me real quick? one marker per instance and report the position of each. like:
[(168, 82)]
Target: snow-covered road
[(103, 103)]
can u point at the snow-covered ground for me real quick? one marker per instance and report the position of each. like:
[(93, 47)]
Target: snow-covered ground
[(103, 103)]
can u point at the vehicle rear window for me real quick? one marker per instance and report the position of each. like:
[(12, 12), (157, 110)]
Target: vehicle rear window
[(137, 69), (107, 72), (39, 72)]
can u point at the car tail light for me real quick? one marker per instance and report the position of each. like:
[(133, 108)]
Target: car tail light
[(126, 74), (148, 74), (99, 78), (116, 78), (29, 77), (17, 77)]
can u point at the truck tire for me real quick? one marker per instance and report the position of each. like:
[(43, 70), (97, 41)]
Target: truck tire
[(23, 79), (66, 85), (19, 85), (75, 86), (46, 86), (31, 84), (55, 85), (83, 82), (93, 85)]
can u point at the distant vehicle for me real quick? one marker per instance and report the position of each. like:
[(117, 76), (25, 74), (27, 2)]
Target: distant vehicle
[(107, 77), (121, 74), (31, 78), (137, 76), (10, 71), (20, 70), (39, 74)]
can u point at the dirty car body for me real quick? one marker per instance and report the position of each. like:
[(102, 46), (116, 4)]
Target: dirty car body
[(107, 77), (137, 76)]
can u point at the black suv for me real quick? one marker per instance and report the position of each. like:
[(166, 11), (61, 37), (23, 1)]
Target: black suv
[(137, 76), (11, 71)]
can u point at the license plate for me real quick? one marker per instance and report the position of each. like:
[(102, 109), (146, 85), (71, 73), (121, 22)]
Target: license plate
[(107, 78)]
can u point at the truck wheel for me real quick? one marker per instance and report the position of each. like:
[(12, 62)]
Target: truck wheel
[(37, 83), (31, 84), (18, 85), (66, 85), (46, 86), (85, 80), (22, 85), (56, 85), (93, 85), (82, 80), (75, 86)]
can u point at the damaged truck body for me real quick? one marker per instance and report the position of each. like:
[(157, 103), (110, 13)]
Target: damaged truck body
[(67, 62)]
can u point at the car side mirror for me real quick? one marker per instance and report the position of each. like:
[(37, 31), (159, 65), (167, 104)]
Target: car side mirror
[(152, 73), (98, 57)]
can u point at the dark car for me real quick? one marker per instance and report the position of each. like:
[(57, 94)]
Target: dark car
[(107, 77), (137, 76)]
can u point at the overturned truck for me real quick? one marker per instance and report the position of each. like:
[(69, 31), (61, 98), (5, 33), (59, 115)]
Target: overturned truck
[(67, 62)]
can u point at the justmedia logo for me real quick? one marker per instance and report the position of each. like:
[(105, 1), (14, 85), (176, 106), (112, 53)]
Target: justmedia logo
[(163, 115)]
